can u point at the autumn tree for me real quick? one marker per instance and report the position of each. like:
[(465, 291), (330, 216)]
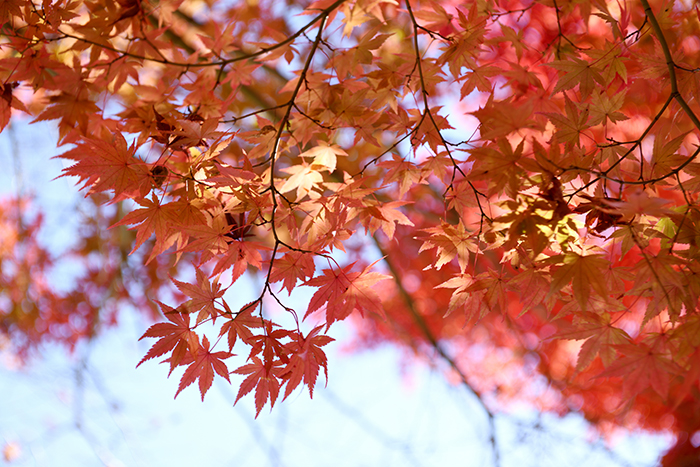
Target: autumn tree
[(511, 185)]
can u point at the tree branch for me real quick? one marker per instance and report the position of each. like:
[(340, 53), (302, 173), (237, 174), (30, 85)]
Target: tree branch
[(435, 344)]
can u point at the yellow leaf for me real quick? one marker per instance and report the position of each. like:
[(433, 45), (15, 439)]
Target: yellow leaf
[(325, 156)]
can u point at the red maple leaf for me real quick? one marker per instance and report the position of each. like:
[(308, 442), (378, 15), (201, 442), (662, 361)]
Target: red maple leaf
[(240, 325), (104, 166), (269, 343), (343, 292), (265, 381), (203, 366), (203, 296), (642, 367), (601, 338), (176, 336), (291, 267), (7, 101), (306, 360), (153, 217)]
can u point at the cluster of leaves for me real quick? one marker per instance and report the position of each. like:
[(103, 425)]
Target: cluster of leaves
[(245, 138), (35, 309)]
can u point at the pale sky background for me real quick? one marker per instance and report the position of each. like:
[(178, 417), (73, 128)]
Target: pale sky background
[(94, 408)]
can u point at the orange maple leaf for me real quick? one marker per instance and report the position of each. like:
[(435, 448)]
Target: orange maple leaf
[(451, 241), (583, 272)]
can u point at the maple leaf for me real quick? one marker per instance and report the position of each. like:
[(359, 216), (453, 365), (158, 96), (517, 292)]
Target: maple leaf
[(291, 268), (325, 157), (601, 338), (522, 78), (658, 276), (270, 344), (232, 259), (576, 72), (571, 126), (691, 375), (460, 295), (583, 272), (639, 203), (154, 217), (7, 102), (515, 38), (606, 108), (479, 79), (531, 287), (240, 325), (642, 367), (202, 366), (104, 166), (212, 239), (306, 361), (266, 383), (450, 241), (499, 160), (384, 216), (473, 303), (404, 172), (304, 179), (176, 336), (342, 292), (501, 118), (664, 157), (203, 296), (72, 110), (494, 288)]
